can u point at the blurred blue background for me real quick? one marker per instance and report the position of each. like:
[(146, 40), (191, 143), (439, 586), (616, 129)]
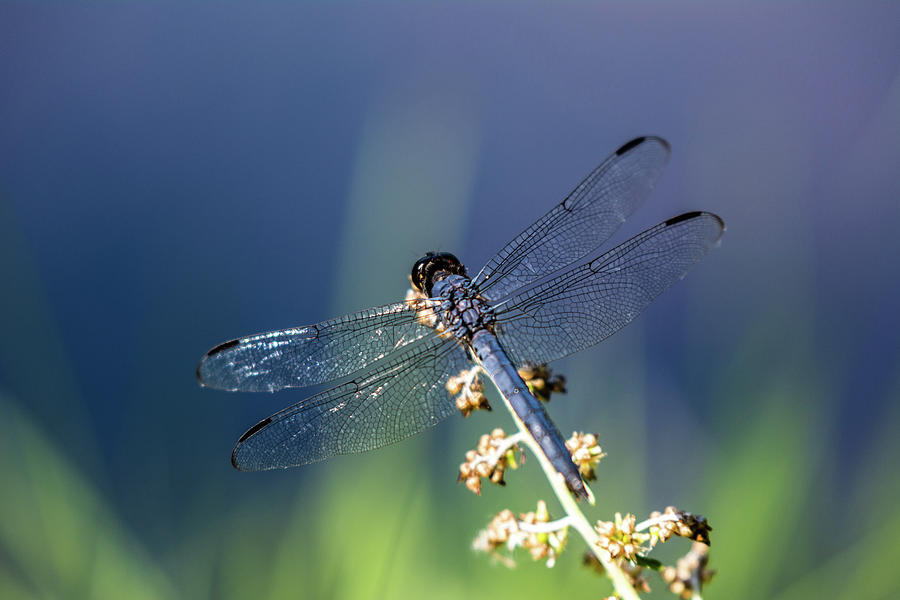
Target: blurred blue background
[(175, 175)]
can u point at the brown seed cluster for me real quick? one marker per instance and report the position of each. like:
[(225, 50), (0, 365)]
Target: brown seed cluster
[(619, 539), (690, 573), (627, 543), (502, 528), (489, 460), (468, 391), (675, 522), (586, 453), (541, 382), (505, 530)]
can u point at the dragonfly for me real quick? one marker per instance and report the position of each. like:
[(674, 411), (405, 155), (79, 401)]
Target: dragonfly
[(548, 293)]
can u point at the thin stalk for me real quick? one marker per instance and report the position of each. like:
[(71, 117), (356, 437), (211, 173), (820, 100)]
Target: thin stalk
[(647, 524), (549, 527), (576, 518)]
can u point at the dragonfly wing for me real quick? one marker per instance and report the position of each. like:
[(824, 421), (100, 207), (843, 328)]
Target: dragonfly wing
[(587, 304), (580, 223), (401, 397), (305, 356)]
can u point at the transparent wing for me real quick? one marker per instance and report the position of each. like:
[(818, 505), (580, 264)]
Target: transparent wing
[(305, 356), (587, 304), (402, 397), (581, 223)]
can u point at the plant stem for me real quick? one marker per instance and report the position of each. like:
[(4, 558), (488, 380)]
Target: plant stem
[(577, 519), (647, 524), (549, 527)]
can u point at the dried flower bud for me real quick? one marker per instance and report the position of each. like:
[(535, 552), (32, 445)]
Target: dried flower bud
[(625, 524), (586, 453), (468, 391), (675, 522), (619, 538), (498, 532), (541, 382), (504, 529), (494, 454), (473, 483), (454, 385)]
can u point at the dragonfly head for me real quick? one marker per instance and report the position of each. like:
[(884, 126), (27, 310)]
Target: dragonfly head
[(433, 267)]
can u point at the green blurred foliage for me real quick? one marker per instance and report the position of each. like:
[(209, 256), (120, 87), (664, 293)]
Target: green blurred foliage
[(382, 531), (63, 538)]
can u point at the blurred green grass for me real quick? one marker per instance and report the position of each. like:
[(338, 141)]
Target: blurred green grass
[(63, 537), (382, 531)]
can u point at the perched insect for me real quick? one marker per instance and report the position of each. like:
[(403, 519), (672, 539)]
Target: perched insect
[(545, 295)]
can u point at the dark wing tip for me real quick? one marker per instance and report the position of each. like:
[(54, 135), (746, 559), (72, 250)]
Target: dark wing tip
[(684, 217), (218, 349), (630, 145), (254, 429), (222, 347), (640, 140), (695, 214), (243, 438)]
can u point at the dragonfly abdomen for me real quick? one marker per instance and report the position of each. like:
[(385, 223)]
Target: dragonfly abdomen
[(528, 408)]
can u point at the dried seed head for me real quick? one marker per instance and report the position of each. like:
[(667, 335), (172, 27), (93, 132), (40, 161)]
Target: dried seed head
[(675, 522), (541, 382), (490, 460), (626, 523), (484, 469), (498, 532), (454, 385), (468, 391), (586, 453), (620, 539), (506, 530)]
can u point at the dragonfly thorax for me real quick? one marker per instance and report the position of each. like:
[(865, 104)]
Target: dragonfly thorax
[(462, 310)]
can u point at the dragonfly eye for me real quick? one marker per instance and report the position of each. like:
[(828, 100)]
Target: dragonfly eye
[(426, 268)]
